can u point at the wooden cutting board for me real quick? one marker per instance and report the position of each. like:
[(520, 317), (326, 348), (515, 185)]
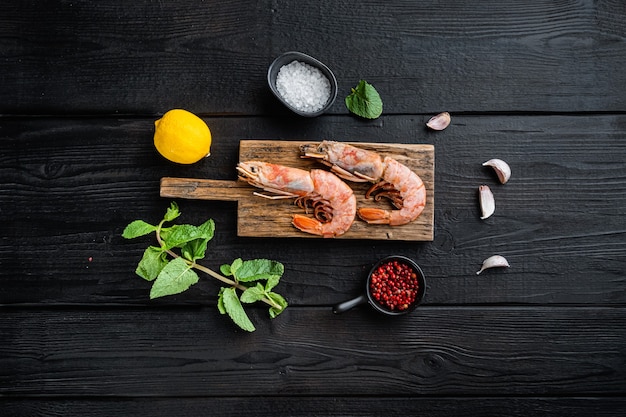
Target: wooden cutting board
[(261, 217)]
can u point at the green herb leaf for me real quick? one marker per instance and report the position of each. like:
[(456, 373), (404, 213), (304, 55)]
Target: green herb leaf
[(259, 269), (220, 301), (178, 235), (176, 277), (230, 270), (272, 282), (365, 101), (278, 299), (196, 249), (152, 263), (137, 228), (225, 270), (171, 213), (181, 234), (253, 294), (234, 267), (235, 310)]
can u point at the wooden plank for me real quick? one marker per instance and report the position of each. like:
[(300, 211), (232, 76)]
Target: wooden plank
[(196, 352), (337, 406), (123, 57), (261, 217), (202, 189), (66, 197), (543, 337)]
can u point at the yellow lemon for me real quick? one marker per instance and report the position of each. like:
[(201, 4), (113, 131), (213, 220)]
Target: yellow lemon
[(182, 137)]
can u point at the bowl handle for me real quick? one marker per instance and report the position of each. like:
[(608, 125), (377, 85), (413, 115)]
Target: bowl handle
[(350, 304)]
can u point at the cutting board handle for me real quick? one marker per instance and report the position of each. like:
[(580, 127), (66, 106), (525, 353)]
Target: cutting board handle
[(203, 189)]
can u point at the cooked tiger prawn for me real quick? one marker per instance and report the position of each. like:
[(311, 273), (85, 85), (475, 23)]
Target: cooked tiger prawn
[(332, 200), (393, 180)]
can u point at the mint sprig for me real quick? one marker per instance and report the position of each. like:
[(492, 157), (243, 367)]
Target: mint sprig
[(254, 271), (365, 101), (172, 266)]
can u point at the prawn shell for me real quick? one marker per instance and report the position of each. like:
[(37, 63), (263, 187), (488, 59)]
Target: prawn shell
[(331, 196), (357, 163), (398, 182), (273, 218), (340, 198)]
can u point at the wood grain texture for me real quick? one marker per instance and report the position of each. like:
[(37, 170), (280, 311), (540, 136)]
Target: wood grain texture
[(309, 351), (204, 189), (261, 217), (337, 406), (540, 84), (212, 57), (70, 186)]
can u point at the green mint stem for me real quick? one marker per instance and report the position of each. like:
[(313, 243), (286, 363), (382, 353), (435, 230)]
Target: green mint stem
[(211, 272), (230, 282)]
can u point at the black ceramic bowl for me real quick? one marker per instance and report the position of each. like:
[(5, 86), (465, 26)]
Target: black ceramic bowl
[(368, 297), (289, 57)]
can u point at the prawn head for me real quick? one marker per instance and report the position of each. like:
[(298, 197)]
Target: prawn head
[(279, 180)]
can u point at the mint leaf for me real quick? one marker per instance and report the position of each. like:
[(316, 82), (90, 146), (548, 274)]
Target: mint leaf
[(171, 213), (187, 243), (225, 270), (180, 234), (365, 101), (234, 267), (271, 282), (278, 299), (137, 228), (229, 270), (220, 301), (196, 248), (176, 277), (192, 240), (259, 269), (152, 263), (235, 310), (253, 294)]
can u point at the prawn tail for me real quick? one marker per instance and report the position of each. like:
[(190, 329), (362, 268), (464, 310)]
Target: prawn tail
[(310, 225), (374, 215), (380, 216)]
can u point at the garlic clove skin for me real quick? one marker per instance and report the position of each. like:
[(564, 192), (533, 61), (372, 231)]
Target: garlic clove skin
[(503, 170), (487, 202), (440, 121), (494, 261)]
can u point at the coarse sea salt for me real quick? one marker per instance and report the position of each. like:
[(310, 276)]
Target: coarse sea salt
[(303, 86)]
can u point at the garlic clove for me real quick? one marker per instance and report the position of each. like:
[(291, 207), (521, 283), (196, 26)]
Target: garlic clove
[(487, 202), (440, 121), (494, 262), (503, 170)]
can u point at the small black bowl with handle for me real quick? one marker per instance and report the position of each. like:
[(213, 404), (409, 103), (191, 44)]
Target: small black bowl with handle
[(369, 298)]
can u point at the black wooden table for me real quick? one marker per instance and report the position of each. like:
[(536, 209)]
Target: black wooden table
[(540, 84)]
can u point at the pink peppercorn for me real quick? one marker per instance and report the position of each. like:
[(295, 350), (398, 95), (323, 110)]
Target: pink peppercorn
[(394, 285)]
